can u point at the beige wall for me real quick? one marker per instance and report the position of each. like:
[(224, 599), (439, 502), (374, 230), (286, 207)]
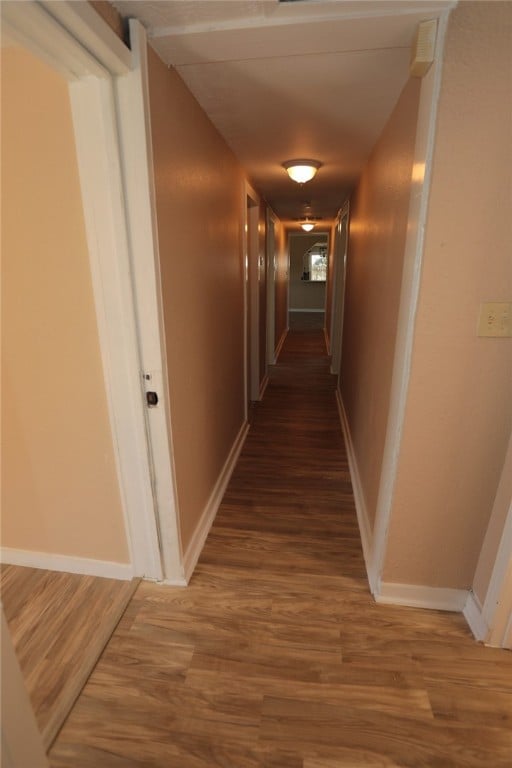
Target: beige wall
[(199, 198), (459, 406), (377, 231), (304, 294), (60, 492)]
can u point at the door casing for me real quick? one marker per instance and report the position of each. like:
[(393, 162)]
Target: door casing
[(271, 287), (338, 289), (250, 253), (75, 41)]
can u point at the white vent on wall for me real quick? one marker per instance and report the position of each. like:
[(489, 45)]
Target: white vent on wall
[(423, 48)]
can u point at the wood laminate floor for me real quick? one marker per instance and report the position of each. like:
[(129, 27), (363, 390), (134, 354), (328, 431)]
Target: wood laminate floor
[(59, 624), (276, 655)]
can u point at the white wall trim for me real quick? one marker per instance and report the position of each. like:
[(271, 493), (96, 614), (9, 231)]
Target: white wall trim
[(497, 608), (35, 29), (173, 582), (366, 10), (500, 568), (417, 596), (66, 563), (365, 529), (251, 297), (338, 275), (85, 24), (138, 178), (409, 296), (205, 523), (280, 343), (474, 617), (94, 118)]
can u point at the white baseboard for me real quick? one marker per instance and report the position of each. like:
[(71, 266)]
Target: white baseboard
[(417, 596), (280, 344), (365, 529), (173, 582), (307, 309), (205, 523), (177, 582), (474, 616), (66, 564)]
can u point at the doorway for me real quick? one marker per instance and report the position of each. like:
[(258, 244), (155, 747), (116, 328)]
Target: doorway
[(271, 288), (338, 290), (308, 275), (253, 287)]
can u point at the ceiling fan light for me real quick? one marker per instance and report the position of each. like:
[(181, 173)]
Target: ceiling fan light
[(301, 171), (307, 226)]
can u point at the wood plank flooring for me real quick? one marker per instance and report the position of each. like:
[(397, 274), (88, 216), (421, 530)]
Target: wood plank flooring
[(276, 655), (59, 623)]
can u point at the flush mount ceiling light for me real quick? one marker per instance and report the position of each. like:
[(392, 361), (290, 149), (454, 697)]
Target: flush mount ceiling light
[(301, 171)]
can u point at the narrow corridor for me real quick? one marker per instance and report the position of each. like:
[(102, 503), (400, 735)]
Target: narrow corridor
[(276, 655), (289, 506)]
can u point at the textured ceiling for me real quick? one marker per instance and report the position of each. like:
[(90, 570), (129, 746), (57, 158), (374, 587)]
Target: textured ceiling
[(312, 79)]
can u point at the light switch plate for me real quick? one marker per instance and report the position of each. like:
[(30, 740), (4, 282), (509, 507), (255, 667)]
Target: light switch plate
[(495, 319)]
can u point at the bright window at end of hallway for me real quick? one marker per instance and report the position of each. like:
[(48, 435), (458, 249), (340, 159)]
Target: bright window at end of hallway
[(315, 263)]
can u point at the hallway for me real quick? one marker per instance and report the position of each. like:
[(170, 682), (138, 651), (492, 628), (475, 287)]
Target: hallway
[(276, 655)]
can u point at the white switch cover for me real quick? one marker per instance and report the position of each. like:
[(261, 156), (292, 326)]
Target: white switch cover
[(495, 319)]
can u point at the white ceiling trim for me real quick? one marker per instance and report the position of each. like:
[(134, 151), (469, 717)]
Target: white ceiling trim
[(364, 10), (82, 21), (315, 38)]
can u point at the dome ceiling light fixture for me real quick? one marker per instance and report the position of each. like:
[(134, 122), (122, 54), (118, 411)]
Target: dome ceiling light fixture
[(307, 225), (301, 171)]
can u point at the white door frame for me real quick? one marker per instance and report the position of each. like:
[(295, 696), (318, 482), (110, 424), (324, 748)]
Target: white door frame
[(138, 169), (497, 607), (271, 287), (73, 39), (338, 289), (409, 297), (251, 295)]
